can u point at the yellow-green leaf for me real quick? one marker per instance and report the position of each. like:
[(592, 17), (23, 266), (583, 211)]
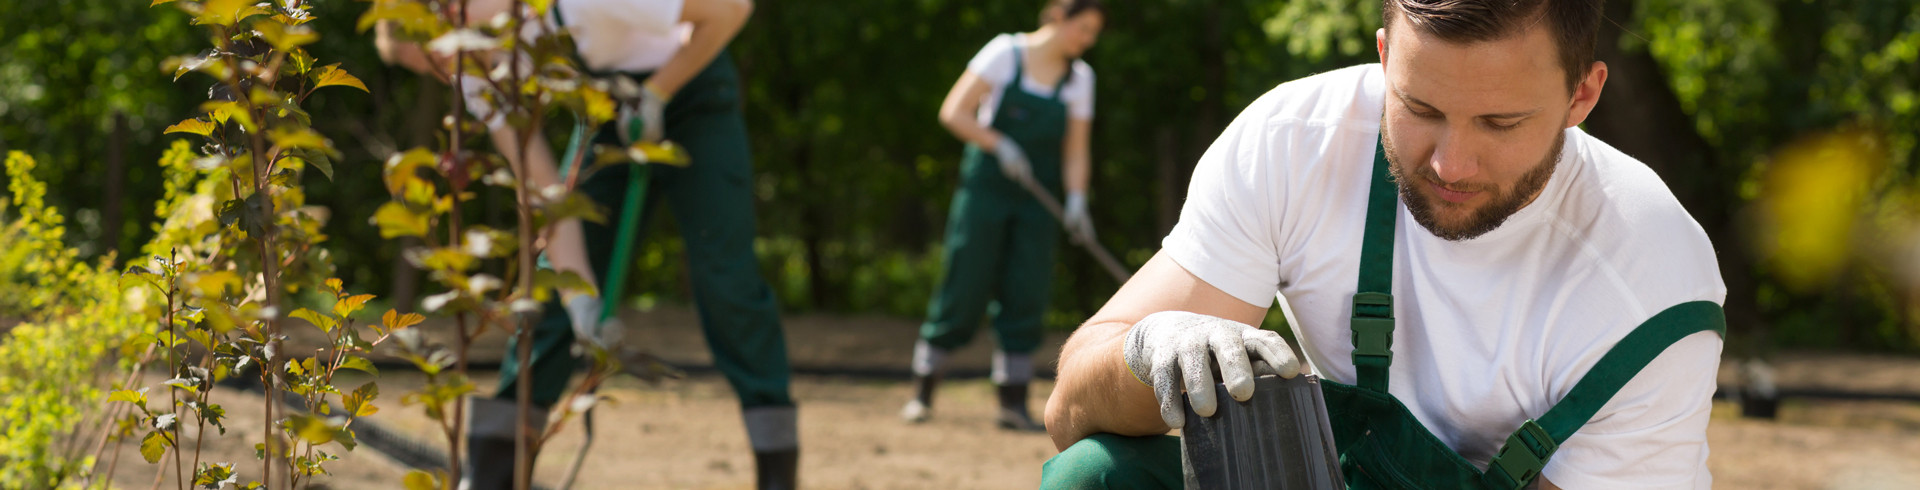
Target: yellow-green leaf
[(395, 220), (129, 396), (153, 446), (411, 16), (346, 306), (331, 75), (360, 364), (224, 110), (227, 12), (394, 320), (195, 126), (285, 37), (420, 480), (297, 138), (326, 323)]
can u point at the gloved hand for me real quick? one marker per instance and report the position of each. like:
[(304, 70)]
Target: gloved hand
[(647, 110), (1170, 350), (1013, 162), (1079, 223), (584, 311)]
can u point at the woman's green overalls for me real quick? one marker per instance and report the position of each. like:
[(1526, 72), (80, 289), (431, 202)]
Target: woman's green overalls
[(1000, 241), (1381, 444)]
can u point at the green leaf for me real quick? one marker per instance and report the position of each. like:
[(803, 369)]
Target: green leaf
[(396, 220), (326, 323), (195, 126), (331, 75), (359, 363), (318, 159), (153, 446), (345, 307)]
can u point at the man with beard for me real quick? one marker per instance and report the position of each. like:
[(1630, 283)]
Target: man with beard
[(1550, 315)]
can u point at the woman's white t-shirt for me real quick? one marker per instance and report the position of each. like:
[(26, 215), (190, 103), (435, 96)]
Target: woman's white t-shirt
[(994, 64), (1491, 331), (625, 35)]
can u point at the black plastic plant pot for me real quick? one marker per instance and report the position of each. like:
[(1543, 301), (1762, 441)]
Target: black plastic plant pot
[(1279, 439)]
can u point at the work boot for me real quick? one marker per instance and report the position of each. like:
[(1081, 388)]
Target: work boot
[(1011, 373), (776, 470), (490, 422), (773, 432), (920, 408), (1013, 410), (927, 361)]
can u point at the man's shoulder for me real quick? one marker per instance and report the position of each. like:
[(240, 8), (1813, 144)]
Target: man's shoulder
[(1625, 215), (1350, 96)]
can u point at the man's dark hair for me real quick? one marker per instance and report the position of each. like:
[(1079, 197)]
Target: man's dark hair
[(1574, 24)]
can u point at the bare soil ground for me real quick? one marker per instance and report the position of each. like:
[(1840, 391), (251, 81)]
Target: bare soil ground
[(687, 433)]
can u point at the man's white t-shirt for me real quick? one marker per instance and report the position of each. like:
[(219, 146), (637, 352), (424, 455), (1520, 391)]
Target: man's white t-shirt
[(1491, 331), (625, 35), (994, 64)]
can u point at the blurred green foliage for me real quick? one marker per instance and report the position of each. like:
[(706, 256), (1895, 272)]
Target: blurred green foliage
[(854, 173)]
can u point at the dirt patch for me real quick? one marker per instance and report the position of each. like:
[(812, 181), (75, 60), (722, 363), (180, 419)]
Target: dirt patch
[(687, 433)]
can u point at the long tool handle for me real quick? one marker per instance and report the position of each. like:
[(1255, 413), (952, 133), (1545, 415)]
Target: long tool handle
[(1099, 253)]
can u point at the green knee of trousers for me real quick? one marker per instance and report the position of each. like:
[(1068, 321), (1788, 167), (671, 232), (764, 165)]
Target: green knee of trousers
[(1108, 461)]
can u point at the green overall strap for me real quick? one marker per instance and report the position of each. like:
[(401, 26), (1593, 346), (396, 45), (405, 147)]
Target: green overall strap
[(614, 285), (1527, 450), (1373, 300)]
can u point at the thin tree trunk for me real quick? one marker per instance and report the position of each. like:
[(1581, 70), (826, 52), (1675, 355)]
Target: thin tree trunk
[(1640, 115), (116, 176)]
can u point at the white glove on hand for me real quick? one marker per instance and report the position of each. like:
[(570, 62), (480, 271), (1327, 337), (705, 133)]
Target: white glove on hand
[(1171, 349), (584, 311), (1013, 162), (1079, 223), (648, 110)]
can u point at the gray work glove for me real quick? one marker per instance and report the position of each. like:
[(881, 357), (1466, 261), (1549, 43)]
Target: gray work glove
[(584, 312), (1013, 162), (642, 116), (1171, 349), (1078, 221)]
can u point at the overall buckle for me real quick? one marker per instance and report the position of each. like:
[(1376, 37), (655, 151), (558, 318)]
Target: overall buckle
[(1373, 327), (1522, 457)]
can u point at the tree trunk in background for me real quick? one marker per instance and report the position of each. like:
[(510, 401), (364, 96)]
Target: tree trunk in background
[(1169, 175), (116, 175), (1640, 115)]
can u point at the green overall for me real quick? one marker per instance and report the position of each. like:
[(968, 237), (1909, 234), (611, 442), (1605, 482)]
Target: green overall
[(1382, 445), (712, 201), (1000, 241)]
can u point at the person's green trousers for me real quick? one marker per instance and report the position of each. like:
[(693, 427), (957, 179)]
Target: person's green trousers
[(712, 202)]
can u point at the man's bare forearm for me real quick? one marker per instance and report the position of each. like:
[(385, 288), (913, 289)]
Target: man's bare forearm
[(1096, 393)]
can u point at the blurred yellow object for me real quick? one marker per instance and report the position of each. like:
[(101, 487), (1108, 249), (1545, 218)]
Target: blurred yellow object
[(664, 152), (1816, 192)]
